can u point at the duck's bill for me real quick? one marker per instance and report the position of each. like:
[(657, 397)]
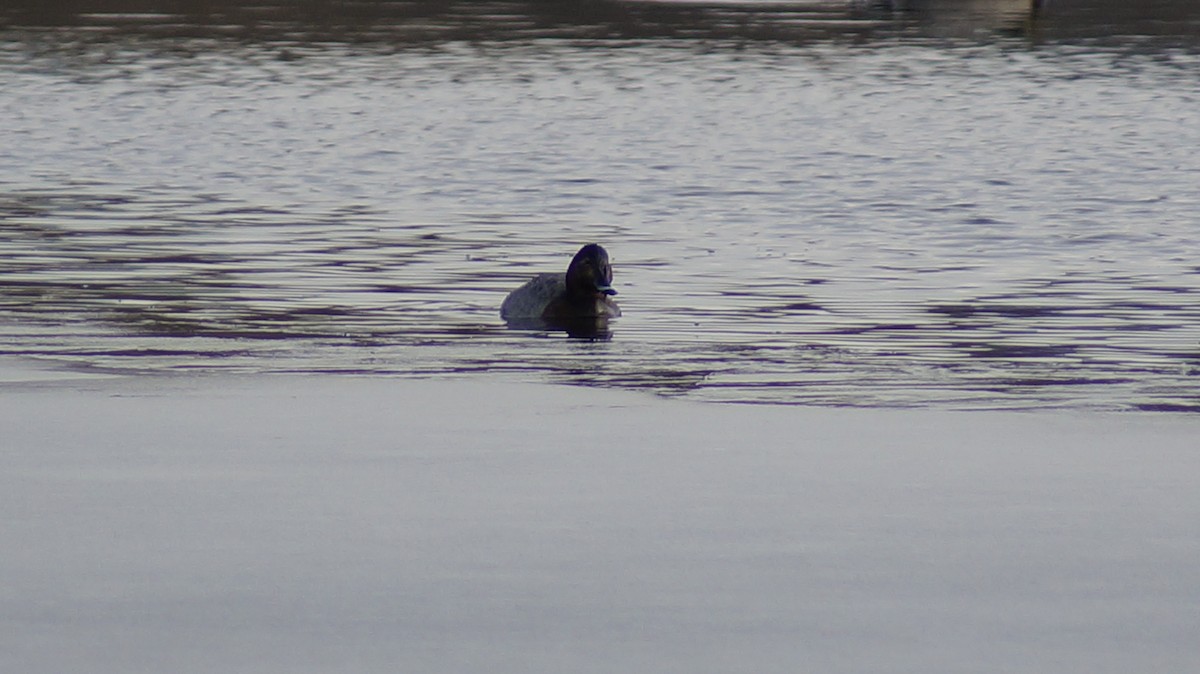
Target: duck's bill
[(607, 290)]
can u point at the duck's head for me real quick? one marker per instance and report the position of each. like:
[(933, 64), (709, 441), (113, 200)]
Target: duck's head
[(590, 272)]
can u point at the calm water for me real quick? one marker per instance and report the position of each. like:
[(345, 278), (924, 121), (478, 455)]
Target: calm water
[(817, 203)]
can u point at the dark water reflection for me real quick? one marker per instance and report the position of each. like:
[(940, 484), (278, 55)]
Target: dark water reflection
[(973, 205), (411, 23)]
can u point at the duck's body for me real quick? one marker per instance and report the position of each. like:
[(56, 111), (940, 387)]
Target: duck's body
[(581, 293)]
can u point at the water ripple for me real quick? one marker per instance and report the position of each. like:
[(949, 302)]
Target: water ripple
[(820, 221)]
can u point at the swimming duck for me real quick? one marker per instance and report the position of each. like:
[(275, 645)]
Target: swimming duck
[(580, 294)]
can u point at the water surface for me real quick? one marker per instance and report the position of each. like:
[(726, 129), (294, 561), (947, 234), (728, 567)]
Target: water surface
[(859, 204)]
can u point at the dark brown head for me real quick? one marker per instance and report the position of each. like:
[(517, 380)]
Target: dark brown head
[(590, 274)]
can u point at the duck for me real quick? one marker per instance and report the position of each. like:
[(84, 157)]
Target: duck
[(583, 293)]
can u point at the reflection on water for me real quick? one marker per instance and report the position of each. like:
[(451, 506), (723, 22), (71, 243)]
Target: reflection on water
[(969, 17), (861, 203), (596, 329), (409, 23)]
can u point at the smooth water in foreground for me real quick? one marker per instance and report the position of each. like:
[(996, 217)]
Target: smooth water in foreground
[(360, 524), (817, 203)]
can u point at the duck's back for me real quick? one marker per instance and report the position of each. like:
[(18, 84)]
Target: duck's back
[(531, 299)]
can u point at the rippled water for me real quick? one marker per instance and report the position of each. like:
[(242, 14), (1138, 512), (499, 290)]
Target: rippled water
[(840, 204)]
